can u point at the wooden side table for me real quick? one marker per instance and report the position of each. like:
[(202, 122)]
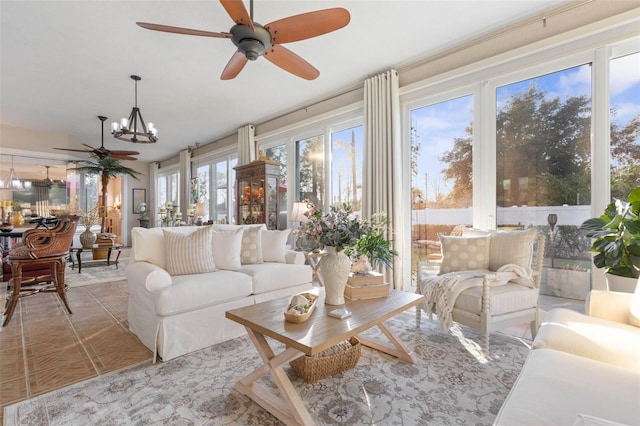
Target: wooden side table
[(313, 259)]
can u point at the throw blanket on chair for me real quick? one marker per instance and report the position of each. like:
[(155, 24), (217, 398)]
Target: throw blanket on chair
[(441, 291)]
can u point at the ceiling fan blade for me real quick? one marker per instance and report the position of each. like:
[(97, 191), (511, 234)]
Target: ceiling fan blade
[(124, 157), (120, 152), (90, 147), (238, 12), (307, 25), (234, 66), (289, 61), (179, 30), (73, 150)]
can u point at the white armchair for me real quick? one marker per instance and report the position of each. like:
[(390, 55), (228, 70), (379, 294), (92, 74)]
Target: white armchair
[(489, 280)]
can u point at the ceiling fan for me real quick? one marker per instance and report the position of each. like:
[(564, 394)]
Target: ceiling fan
[(254, 40), (103, 152)]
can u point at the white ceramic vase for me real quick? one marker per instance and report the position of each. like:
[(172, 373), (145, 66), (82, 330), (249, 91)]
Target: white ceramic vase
[(334, 271)]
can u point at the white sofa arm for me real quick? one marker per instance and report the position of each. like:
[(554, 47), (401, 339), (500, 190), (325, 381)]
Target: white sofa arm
[(154, 278), (609, 305), (295, 257)]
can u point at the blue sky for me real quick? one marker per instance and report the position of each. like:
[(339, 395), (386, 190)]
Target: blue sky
[(437, 125)]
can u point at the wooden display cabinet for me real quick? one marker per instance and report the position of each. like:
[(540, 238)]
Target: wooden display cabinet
[(258, 199)]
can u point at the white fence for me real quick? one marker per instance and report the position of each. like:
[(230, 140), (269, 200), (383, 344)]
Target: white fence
[(524, 215)]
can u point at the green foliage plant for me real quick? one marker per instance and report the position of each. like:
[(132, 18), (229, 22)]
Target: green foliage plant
[(617, 237), (373, 242)]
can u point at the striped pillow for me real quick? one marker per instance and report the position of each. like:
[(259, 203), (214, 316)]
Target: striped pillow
[(189, 254)]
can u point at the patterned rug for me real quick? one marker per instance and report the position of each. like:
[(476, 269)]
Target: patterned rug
[(97, 272), (451, 384)]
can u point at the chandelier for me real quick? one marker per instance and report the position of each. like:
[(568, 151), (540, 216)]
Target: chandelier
[(12, 182), (133, 129)]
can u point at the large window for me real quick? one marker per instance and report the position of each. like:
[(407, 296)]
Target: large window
[(543, 154), (168, 188), (624, 92), (441, 174), (214, 197), (346, 167), (310, 169), (543, 170)]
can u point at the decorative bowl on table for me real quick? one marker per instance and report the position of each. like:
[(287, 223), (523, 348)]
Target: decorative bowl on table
[(6, 227), (300, 307)]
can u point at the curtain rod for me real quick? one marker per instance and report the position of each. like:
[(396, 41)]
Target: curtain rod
[(541, 17)]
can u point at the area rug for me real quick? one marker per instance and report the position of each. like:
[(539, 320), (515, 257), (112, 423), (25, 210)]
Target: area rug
[(97, 272), (451, 384)]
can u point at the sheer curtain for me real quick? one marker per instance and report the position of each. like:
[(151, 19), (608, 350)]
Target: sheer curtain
[(383, 160), (246, 144)]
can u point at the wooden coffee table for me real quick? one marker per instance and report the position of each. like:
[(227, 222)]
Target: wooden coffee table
[(310, 338)]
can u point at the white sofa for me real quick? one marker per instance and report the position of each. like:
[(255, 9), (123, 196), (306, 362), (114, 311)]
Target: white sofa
[(178, 298), (583, 369)]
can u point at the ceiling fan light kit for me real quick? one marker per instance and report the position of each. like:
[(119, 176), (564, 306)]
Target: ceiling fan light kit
[(254, 40), (134, 129)]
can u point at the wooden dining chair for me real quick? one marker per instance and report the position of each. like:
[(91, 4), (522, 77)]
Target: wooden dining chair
[(40, 246)]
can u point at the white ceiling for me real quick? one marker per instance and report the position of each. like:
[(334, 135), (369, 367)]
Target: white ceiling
[(65, 62)]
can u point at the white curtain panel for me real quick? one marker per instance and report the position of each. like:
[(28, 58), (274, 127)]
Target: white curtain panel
[(185, 181), (383, 160), (246, 144), (153, 188)]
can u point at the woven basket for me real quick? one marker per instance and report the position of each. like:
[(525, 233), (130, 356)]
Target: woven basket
[(334, 360)]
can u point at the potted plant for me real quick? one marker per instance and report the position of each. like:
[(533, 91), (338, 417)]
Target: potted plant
[(345, 237), (373, 245), (617, 240), (106, 168)]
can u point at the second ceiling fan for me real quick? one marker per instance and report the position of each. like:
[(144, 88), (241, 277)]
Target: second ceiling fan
[(102, 152), (254, 40)]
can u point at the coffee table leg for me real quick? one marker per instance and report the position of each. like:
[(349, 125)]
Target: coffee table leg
[(399, 349), (78, 258), (289, 408)]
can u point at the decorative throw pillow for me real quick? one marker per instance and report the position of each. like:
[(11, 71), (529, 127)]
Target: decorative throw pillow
[(251, 246), (189, 254), (226, 249), (464, 253), (274, 245), (514, 247)]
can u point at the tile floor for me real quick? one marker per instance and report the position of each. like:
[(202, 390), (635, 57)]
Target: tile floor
[(44, 349)]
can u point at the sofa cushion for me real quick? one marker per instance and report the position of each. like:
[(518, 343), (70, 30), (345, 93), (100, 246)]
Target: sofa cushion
[(191, 292), (251, 246), (273, 276), (464, 253), (274, 245), (504, 299), (189, 254), (226, 248), (555, 387), (590, 337)]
